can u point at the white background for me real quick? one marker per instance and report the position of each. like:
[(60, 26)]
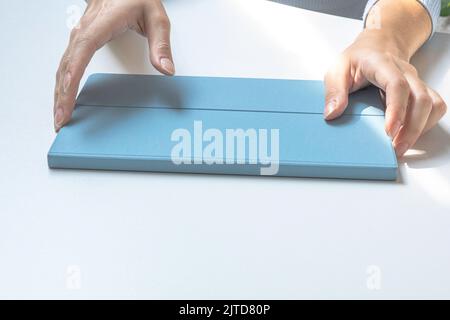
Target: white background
[(82, 234)]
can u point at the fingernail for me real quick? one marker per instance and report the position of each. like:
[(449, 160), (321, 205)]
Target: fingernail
[(59, 118), (167, 65), (66, 82), (329, 109), (401, 149), (395, 129)]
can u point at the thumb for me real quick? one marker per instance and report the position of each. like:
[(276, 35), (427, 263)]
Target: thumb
[(158, 34), (337, 86)]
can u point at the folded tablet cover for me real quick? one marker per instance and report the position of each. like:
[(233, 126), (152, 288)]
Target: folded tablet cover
[(223, 126)]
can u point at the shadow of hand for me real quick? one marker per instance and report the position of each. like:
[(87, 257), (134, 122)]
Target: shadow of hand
[(431, 151)]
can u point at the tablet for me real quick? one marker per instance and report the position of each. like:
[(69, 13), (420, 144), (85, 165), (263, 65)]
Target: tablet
[(211, 125)]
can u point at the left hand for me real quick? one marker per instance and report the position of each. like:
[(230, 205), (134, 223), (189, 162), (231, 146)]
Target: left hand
[(375, 58), (103, 21)]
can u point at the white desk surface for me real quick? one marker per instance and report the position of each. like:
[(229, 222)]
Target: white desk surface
[(81, 234)]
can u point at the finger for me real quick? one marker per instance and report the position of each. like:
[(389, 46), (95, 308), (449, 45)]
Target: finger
[(72, 69), (157, 28), (438, 111), (418, 113), (388, 77), (57, 80), (83, 45), (337, 85)]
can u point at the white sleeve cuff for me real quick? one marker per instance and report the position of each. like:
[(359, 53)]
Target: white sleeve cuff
[(433, 8)]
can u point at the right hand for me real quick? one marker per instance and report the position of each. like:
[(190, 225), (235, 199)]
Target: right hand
[(102, 21)]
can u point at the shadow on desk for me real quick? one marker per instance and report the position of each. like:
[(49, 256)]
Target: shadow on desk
[(431, 151)]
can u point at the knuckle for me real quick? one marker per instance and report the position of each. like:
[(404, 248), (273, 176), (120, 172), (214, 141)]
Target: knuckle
[(331, 93), (400, 83), (424, 100), (440, 107), (373, 56), (77, 29), (163, 45), (386, 57), (373, 59), (162, 21), (85, 40), (411, 69), (65, 60)]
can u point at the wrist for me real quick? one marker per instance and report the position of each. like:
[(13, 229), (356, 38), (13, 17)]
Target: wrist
[(405, 23), (387, 41)]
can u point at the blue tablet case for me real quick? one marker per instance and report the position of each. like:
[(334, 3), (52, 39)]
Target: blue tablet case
[(223, 126)]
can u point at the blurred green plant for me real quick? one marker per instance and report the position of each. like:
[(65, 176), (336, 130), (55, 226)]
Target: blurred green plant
[(445, 8)]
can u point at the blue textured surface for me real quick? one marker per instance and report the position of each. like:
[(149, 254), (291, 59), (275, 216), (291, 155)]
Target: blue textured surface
[(125, 122)]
